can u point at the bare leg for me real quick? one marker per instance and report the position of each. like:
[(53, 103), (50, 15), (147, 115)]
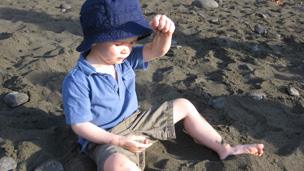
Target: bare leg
[(119, 162), (205, 134)]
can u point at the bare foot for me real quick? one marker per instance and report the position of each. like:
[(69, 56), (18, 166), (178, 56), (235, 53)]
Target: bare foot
[(254, 149)]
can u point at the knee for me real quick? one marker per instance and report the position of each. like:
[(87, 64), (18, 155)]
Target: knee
[(119, 162), (183, 107), (183, 103)]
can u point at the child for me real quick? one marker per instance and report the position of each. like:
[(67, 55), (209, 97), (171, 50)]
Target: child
[(100, 101)]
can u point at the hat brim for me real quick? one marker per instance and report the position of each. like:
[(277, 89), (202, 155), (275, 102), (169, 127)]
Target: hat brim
[(130, 29)]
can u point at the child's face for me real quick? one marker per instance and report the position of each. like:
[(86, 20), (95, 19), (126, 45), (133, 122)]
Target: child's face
[(115, 52)]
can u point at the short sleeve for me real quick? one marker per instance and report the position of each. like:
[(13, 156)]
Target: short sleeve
[(136, 58), (76, 100)]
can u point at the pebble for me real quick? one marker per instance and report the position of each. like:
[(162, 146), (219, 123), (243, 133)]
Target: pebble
[(255, 48), (257, 95), (14, 99), (293, 91), (220, 2), (260, 1), (264, 16), (247, 67), (278, 36), (174, 44), (260, 29), (207, 4), (217, 103), (5, 35), (50, 165), (65, 7), (7, 164), (214, 20)]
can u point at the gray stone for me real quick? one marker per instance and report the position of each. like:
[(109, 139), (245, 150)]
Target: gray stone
[(257, 94), (260, 29), (264, 16), (50, 165), (255, 48), (218, 103), (260, 1), (293, 91), (207, 4), (65, 6), (7, 164), (63, 10), (14, 99), (214, 20), (220, 2), (5, 35)]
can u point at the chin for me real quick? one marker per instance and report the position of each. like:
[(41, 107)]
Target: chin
[(119, 61)]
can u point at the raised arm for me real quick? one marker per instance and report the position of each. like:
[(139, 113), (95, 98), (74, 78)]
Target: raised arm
[(161, 43)]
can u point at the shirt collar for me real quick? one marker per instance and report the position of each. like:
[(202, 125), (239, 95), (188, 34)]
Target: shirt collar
[(85, 66)]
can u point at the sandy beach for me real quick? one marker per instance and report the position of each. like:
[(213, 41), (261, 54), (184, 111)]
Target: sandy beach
[(241, 64)]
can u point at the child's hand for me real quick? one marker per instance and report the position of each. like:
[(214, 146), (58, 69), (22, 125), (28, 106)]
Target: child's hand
[(162, 24), (135, 143)]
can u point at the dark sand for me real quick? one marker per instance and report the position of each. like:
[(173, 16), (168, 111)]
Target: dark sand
[(218, 55)]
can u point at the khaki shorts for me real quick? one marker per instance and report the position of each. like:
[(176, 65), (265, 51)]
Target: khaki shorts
[(157, 125)]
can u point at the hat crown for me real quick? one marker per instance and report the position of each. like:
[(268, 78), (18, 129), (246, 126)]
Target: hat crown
[(110, 20), (98, 16)]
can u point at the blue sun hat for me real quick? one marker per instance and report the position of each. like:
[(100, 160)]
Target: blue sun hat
[(111, 20)]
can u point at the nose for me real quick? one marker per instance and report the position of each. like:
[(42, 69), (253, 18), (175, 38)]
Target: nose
[(126, 50)]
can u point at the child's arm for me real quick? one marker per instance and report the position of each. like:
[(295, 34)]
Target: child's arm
[(91, 132), (161, 42)]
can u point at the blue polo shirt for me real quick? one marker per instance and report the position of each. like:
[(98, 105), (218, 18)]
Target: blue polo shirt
[(89, 96)]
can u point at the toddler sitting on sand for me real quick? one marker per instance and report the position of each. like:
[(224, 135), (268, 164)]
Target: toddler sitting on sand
[(100, 101)]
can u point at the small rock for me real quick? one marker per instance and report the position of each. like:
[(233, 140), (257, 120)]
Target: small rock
[(220, 2), (257, 95), (207, 4), (15, 99), (278, 36), (260, 29), (293, 91), (174, 44), (7, 164), (264, 16), (65, 6), (247, 67), (260, 1), (214, 20), (1, 140), (5, 35), (50, 165), (255, 48), (218, 103)]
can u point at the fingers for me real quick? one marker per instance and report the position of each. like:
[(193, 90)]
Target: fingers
[(155, 22), (137, 143), (163, 24)]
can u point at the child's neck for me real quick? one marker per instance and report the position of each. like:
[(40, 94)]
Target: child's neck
[(101, 67)]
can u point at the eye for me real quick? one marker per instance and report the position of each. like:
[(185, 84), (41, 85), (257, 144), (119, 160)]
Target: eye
[(132, 43), (118, 43)]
